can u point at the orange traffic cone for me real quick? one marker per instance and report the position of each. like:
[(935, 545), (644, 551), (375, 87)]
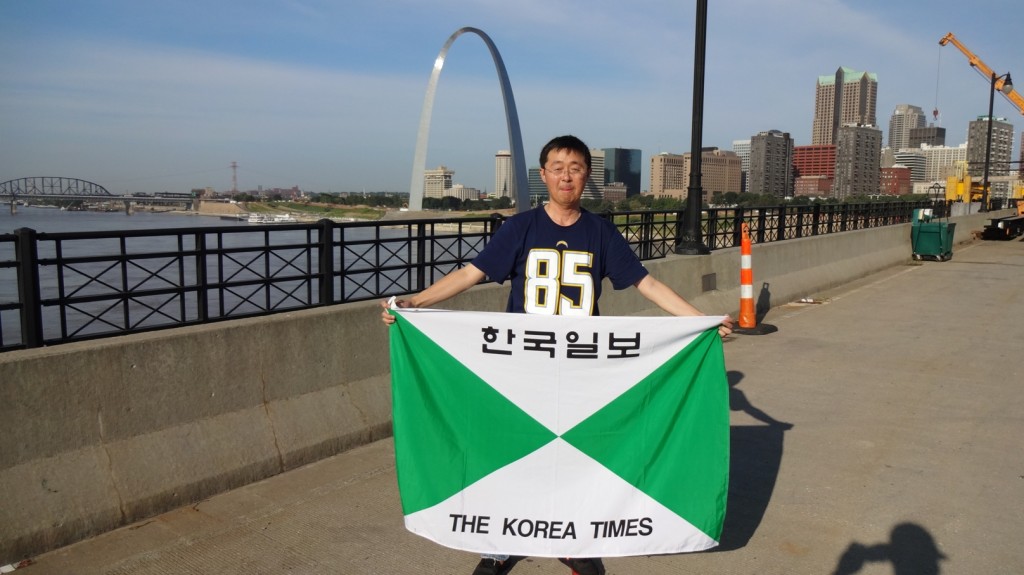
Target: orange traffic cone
[(747, 323), (748, 315)]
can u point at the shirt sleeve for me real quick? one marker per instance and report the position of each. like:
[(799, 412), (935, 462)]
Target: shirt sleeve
[(498, 258), (622, 266)]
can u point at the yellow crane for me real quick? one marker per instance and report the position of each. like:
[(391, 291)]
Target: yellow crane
[(985, 71), (960, 185)]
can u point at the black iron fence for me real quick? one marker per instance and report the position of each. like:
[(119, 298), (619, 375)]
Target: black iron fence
[(63, 287)]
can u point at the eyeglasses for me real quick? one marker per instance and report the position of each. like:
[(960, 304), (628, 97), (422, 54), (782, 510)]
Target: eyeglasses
[(574, 171)]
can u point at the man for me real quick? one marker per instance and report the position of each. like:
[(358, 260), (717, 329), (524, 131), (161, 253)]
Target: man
[(556, 256)]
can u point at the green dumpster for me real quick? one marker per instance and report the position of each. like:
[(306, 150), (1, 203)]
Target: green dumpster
[(931, 239)]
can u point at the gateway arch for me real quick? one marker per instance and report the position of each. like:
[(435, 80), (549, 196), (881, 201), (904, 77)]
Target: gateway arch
[(520, 185)]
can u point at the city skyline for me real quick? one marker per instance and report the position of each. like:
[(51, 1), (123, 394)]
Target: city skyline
[(165, 96)]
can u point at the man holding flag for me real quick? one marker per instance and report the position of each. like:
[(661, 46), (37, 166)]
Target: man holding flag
[(555, 257)]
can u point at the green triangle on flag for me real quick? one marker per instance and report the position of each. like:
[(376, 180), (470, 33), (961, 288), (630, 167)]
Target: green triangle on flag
[(668, 435), (451, 427)]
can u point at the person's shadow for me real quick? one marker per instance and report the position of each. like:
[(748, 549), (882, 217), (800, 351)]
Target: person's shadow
[(910, 549), (755, 456)]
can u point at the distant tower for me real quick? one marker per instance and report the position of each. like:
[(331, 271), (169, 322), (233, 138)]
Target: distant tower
[(503, 175), (848, 97), (999, 159), (437, 182), (742, 149), (595, 185), (623, 165), (858, 161), (234, 177), (932, 135), (904, 118), (771, 164)]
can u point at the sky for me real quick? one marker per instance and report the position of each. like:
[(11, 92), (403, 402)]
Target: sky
[(326, 95)]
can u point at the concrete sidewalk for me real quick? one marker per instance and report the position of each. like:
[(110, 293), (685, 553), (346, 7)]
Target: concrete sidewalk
[(879, 430)]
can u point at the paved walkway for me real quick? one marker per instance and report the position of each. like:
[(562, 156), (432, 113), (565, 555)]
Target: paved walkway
[(880, 430)]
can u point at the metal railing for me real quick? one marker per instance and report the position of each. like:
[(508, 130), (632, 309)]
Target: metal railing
[(75, 286)]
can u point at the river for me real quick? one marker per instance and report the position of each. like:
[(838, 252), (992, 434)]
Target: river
[(56, 220), (274, 254)]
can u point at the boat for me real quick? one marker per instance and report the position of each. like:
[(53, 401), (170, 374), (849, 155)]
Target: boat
[(271, 219)]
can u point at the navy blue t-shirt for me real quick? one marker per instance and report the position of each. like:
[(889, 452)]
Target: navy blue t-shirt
[(558, 270)]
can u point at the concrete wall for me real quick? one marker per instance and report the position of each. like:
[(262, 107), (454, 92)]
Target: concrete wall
[(99, 434)]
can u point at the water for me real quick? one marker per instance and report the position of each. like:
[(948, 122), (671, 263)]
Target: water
[(252, 259), (55, 220)]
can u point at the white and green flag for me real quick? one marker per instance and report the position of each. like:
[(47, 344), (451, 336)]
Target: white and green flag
[(560, 436)]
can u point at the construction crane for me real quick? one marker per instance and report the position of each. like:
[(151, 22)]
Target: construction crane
[(976, 63)]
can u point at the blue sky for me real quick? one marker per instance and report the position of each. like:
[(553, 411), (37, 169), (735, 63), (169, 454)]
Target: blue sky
[(162, 96)]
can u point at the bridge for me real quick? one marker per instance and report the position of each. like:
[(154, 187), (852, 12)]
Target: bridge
[(879, 424), (75, 189)]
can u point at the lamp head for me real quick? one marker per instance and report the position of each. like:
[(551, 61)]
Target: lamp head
[(1007, 84)]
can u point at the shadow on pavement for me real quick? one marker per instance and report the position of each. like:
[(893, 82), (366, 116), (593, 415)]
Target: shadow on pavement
[(756, 453), (911, 550)]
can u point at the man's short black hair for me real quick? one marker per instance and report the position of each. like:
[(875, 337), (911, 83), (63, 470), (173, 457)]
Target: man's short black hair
[(571, 143)]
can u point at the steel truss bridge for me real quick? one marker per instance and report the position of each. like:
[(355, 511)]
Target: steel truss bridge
[(75, 189)]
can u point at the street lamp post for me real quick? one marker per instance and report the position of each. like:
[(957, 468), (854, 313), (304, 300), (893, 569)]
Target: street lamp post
[(1006, 87), (689, 241)]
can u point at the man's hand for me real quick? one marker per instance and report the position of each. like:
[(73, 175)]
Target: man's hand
[(386, 317), (724, 328)]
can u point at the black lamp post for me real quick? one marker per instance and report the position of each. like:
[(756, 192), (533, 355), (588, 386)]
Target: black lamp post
[(1006, 88), (688, 240)]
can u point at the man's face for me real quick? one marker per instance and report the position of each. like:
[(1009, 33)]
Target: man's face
[(565, 174)]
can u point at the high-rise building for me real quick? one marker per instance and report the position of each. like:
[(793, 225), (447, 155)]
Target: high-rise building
[(931, 135), (720, 172), (668, 180), (742, 149), (847, 97), (940, 161), (670, 174), (623, 165), (437, 182), (538, 190), (503, 175), (814, 160), (771, 164), (914, 160), (595, 185), (814, 169), (904, 119), (999, 157), (858, 161)]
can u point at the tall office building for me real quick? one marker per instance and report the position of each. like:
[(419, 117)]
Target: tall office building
[(623, 165), (914, 160), (941, 161), (858, 161), (720, 172), (771, 164), (668, 180), (904, 119), (814, 169), (503, 175), (931, 135), (742, 149), (538, 190), (999, 158), (437, 182), (670, 174), (848, 97), (595, 185)]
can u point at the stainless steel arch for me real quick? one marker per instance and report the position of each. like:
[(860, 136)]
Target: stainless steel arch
[(520, 183)]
